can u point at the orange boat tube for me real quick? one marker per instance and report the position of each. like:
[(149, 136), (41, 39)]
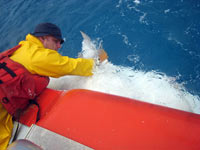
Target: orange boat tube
[(108, 122)]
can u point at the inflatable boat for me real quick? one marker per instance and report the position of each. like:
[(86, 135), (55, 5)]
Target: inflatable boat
[(84, 119)]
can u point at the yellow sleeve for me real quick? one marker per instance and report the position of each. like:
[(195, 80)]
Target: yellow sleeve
[(50, 63), (42, 61)]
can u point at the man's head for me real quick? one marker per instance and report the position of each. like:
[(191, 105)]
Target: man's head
[(49, 34)]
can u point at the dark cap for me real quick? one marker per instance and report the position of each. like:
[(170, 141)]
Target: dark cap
[(48, 29)]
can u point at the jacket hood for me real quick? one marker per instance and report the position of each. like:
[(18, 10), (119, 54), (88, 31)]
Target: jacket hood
[(34, 40)]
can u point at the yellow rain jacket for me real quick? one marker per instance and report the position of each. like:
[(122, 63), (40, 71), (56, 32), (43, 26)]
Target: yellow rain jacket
[(42, 61), (46, 62)]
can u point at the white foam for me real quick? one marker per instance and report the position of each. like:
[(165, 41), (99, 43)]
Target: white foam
[(153, 87), (137, 2), (166, 11)]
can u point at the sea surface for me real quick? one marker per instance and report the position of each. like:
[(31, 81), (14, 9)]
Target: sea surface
[(153, 45)]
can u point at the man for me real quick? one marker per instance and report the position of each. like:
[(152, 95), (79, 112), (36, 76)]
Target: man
[(24, 72)]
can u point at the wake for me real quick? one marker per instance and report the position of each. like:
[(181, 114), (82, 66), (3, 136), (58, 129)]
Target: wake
[(153, 87)]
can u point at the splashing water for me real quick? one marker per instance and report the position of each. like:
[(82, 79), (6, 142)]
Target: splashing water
[(153, 87)]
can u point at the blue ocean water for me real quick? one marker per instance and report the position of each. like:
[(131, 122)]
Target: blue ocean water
[(147, 35)]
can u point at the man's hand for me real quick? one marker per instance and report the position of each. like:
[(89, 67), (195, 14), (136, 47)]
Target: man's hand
[(102, 55)]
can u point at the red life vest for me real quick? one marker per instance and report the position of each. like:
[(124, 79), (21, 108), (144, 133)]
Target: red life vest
[(17, 84)]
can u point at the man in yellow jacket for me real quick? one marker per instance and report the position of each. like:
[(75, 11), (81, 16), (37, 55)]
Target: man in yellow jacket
[(38, 54)]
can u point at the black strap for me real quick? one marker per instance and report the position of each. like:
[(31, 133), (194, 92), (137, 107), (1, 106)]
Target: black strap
[(3, 66), (18, 113), (16, 132)]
